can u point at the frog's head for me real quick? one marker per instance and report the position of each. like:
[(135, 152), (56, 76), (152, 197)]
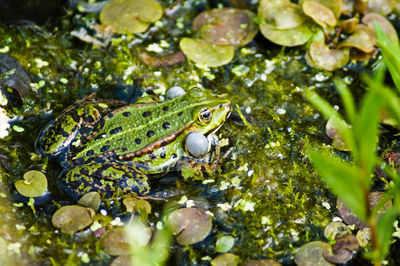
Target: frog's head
[(210, 113)]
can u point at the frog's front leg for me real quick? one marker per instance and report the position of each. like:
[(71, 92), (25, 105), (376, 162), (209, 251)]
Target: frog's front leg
[(67, 128), (110, 179)]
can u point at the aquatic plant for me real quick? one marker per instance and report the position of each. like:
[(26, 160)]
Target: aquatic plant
[(352, 181)]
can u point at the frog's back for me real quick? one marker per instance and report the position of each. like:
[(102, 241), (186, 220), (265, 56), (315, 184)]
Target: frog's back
[(133, 128)]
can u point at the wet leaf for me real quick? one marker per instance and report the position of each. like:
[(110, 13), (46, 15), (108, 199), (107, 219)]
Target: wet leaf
[(226, 259), (205, 53), (13, 75), (265, 262), (91, 200), (291, 37), (191, 225), (363, 39), (387, 27), (33, 185), (225, 26), (162, 60), (281, 16), (139, 205), (115, 242), (311, 254), (333, 133), (122, 261), (224, 244), (130, 16), (383, 7), (327, 59), (349, 26), (334, 5), (335, 228), (72, 218), (319, 13)]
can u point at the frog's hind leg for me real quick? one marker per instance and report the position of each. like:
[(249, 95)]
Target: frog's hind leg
[(110, 179), (68, 129)]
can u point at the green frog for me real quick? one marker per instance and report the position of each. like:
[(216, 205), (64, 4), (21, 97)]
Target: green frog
[(115, 151)]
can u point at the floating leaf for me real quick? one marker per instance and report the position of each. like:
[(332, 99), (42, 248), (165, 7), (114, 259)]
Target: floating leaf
[(383, 7), (319, 13), (205, 53), (139, 205), (224, 244), (349, 26), (72, 218), (291, 37), (162, 60), (226, 259), (334, 5), (311, 254), (122, 261), (91, 200), (225, 26), (191, 225), (363, 39), (281, 16), (264, 262), (132, 16), (335, 228), (327, 59), (115, 242), (387, 27), (33, 185)]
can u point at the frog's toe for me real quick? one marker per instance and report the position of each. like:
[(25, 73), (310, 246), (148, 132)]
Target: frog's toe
[(109, 179)]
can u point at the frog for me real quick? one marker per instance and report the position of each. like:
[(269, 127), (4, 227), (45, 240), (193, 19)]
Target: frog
[(115, 150)]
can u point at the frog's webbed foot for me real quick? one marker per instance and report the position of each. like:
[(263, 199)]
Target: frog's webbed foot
[(110, 179), (197, 167)]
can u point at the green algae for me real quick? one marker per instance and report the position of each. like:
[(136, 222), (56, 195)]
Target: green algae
[(265, 195)]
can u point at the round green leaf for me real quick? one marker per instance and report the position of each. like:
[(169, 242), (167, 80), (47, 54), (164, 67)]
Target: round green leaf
[(205, 53), (225, 26), (191, 225), (327, 59), (363, 39), (224, 244), (390, 31), (291, 37), (33, 185), (319, 13), (72, 218), (130, 16), (281, 16), (91, 200)]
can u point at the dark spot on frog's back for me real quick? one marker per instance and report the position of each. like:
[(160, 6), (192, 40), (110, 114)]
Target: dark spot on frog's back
[(165, 108), (115, 130), (104, 148), (138, 141), (126, 114), (146, 114), (180, 113), (100, 136), (89, 153), (150, 133), (166, 125)]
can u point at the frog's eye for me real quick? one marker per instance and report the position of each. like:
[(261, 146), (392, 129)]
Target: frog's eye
[(205, 115)]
